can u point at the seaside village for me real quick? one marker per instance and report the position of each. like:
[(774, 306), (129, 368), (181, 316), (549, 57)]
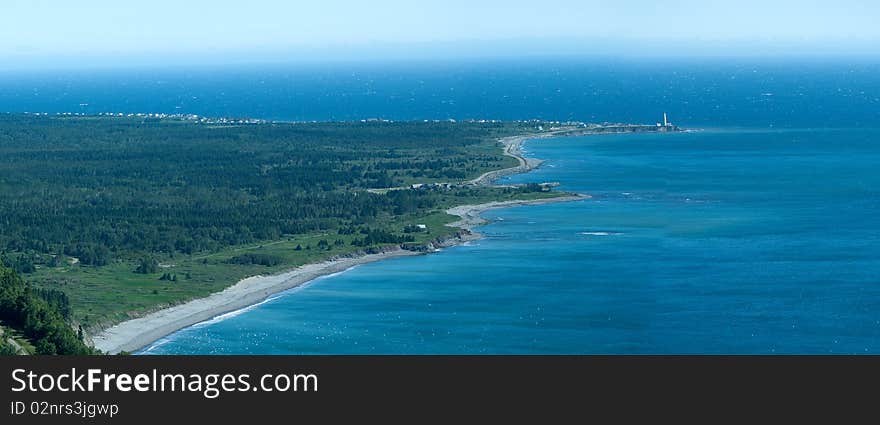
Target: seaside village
[(544, 187), (149, 117), (539, 125)]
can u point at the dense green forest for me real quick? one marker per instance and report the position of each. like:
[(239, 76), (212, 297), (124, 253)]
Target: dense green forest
[(39, 319), (96, 189), (108, 218)]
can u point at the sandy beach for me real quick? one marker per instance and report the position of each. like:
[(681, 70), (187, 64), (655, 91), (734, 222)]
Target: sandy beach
[(135, 334), (512, 148)]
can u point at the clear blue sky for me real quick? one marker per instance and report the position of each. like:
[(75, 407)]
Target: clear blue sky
[(63, 30)]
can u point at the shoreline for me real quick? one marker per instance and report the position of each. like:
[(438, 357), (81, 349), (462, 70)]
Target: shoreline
[(132, 335), (470, 214), (512, 148)]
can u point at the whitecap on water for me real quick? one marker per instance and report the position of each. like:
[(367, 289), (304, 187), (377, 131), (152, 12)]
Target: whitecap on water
[(231, 314), (155, 345)]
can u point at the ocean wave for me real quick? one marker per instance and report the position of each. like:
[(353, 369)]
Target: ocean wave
[(326, 276), (599, 233), (155, 345), (234, 313)]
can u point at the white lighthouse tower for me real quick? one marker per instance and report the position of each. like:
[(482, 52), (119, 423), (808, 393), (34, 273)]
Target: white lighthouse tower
[(665, 122)]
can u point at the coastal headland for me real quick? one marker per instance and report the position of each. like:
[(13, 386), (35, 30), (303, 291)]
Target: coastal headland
[(131, 227), (134, 334), (137, 333)]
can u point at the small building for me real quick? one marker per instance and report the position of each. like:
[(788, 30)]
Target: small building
[(665, 125)]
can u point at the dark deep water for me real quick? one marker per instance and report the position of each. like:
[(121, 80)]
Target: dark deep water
[(794, 93)]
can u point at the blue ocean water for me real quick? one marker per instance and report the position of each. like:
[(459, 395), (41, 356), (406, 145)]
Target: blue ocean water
[(703, 92), (719, 241), (757, 234)]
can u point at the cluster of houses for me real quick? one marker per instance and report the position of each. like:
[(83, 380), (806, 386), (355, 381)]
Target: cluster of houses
[(156, 117), (434, 186), (545, 187), (191, 117)]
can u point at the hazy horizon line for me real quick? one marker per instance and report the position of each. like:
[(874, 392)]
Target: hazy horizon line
[(657, 50)]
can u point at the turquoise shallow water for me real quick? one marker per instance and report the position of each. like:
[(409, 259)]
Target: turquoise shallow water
[(719, 241)]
